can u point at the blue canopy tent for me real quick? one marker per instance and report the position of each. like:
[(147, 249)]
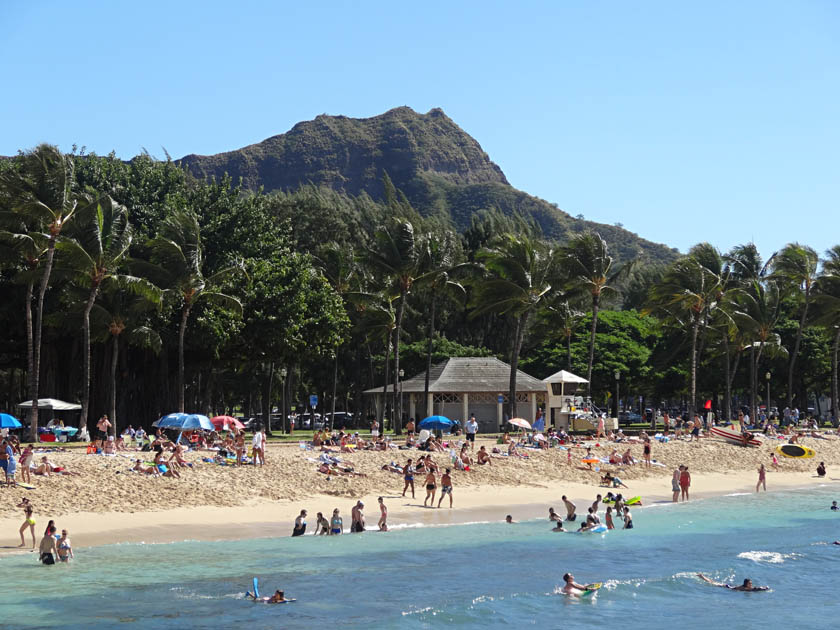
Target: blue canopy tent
[(437, 423)]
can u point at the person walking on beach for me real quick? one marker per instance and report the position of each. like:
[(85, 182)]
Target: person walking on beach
[(570, 509), (240, 447), (675, 484), (646, 451), (257, 446), (7, 457), (357, 525), (29, 521), (431, 488), (383, 515), (685, 482), (445, 487), (300, 524), (471, 429), (408, 476), (762, 478)]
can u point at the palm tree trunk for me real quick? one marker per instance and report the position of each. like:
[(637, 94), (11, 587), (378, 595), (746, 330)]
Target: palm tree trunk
[(34, 374), (30, 343), (514, 360), (732, 375), (835, 407), (397, 401), (115, 350), (752, 378), (795, 352), (429, 352), (83, 417), (266, 403), (334, 389), (181, 333), (692, 404), (596, 301), (756, 387), (728, 390), (569, 351), (385, 386)]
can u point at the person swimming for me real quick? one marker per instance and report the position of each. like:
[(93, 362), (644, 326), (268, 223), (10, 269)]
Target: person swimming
[(834, 506), (573, 589), (746, 586)]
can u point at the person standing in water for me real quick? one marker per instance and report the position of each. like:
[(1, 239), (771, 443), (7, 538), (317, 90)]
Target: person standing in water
[(336, 524), (445, 487), (383, 515), (609, 519), (300, 524), (675, 484), (570, 509), (48, 549), (685, 482), (64, 547), (762, 478)]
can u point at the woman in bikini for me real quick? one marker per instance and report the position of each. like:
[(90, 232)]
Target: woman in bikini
[(336, 524), (29, 521), (408, 475), (65, 549), (431, 488)]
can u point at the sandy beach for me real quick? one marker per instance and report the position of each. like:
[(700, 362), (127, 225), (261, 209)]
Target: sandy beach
[(108, 504)]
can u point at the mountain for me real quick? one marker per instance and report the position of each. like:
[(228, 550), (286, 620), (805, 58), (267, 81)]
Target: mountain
[(436, 164)]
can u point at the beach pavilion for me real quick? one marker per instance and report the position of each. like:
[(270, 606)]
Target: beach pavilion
[(461, 386)]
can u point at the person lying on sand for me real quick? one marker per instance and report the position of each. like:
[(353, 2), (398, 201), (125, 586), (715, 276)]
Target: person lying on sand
[(746, 586), (146, 470), (343, 472), (392, 467), (46, 468)]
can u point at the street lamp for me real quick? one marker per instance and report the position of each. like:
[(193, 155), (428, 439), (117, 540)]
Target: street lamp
[(399, 412), (767, 377), (617, 375), (283, 373)]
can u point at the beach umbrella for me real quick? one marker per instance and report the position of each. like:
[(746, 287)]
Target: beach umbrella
[(222, 423), (169, 421), (441, 423), (9, 422), (539, 437), (196, 421), (520, 422)]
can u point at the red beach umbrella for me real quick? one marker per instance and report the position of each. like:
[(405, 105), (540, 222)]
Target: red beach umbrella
[(223, 422)]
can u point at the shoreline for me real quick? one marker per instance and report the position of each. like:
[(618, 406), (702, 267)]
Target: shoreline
[(272, 519)]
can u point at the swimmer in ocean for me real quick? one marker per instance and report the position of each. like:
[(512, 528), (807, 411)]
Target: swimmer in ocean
[(278, 598), (571, 587), (746, 586), (834, 506)]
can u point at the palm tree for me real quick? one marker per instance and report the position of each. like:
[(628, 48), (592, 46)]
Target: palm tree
[(590, 271), (41, 192), (98, 245), (685, 298), (795, 268), (438, 265), (396, 256), (827, 304), (121, 314), (520, 273), (177, 264)]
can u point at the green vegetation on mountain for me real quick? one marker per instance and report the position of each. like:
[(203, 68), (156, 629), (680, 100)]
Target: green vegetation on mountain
[(441, 170)]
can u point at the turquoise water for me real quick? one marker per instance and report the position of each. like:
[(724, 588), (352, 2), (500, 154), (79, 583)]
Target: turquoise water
[(486, 574)]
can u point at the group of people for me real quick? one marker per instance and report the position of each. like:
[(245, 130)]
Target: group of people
[(53, 547), (618, 510), (13, 457), (334, 526)]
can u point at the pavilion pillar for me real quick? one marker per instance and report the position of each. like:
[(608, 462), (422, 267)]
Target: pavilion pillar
[(533, 397), (465, 409), (411, 406), (430, 404), (500, 410)]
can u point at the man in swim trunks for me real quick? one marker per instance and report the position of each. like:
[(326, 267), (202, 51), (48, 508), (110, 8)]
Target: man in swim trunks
[(596, 504), (553, 516), (445, 487), (358, 518), (383, 515), (102, 427), (746, 586), (834, 506), (471, 430), (408, 475), (300, 524), (431, 488), (571, 587), (570, 509), (509, 519), (48, 549)]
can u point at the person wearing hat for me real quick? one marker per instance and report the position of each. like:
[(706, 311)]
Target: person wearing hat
[(358, 518)]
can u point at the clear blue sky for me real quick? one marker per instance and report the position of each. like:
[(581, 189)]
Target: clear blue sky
[(716, 121)]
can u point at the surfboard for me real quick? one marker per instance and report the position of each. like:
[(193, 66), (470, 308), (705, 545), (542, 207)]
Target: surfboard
[(591, 589), (794, 450), (256, 588), (25, 486), (630, 501), (733, 437)]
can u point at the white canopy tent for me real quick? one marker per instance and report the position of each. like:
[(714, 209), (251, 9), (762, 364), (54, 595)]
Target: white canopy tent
[(51, 404)]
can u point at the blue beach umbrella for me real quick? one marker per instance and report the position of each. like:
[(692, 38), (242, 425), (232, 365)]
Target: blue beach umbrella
[(9, 422), (171, 421), (441, 423), (197, 421)]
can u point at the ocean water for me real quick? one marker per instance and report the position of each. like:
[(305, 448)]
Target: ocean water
[(463, 576)]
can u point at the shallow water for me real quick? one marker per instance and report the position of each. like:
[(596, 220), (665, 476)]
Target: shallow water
[(486, 574)]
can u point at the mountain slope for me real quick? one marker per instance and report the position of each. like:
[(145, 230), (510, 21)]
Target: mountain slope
[(439, 167)]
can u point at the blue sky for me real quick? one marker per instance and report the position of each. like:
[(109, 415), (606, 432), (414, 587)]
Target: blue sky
[(712, 122)]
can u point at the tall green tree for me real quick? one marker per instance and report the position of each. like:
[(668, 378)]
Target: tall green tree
[(177, 265), (518, 275), (590, 271), (795, 268), (396, 256), (827, 303), (42, 193)]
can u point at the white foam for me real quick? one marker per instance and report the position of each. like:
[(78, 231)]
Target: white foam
[(738, 494), (769, 557), (419, 611)]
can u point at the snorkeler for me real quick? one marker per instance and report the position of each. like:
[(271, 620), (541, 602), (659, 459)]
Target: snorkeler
[(746, 586)]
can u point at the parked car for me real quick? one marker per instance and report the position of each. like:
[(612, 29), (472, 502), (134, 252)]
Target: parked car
[(629, 417), (342, 419)]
